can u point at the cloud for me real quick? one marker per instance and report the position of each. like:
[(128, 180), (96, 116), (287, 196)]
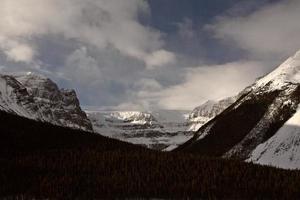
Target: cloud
[(82, 68), (20, 53), (160, 58), (271, 32), (186, 29), (202, 83), (100, 48), (210, 83), (100, 23), (143, 95)]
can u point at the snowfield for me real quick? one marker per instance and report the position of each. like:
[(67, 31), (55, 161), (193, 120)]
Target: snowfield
[(283, 149)]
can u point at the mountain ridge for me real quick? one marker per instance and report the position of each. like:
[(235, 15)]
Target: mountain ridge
[(154, 129), (37, 97), (256, 116)]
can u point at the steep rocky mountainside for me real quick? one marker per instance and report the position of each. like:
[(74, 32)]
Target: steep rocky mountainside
[(254, 119), (37, 97)]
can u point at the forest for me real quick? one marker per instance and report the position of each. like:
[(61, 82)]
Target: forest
[(40, 160)]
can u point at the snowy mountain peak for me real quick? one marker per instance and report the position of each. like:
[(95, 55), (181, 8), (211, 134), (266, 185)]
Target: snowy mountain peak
[(287, 73)]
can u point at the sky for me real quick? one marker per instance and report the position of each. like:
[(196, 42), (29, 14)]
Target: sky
[(148, 54)]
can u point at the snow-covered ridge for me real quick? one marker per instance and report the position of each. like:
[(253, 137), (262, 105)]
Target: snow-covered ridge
[(123, 119), (37, 97), (158, 118), (154, 129), (134, 117), (287, 73)]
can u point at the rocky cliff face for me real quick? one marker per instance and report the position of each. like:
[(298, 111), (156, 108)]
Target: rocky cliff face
[(37, 97)]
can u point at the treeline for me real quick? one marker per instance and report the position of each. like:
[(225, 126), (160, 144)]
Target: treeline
[(43, 161)]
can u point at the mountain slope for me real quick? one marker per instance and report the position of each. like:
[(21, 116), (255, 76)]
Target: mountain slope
[(37, 97), (256, 116), (282, 149)]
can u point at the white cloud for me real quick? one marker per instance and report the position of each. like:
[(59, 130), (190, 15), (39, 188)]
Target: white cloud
[(20, 53), (81, 68), (210, 83), (200, 84), (271, 32), (160, 58), (99, 23)]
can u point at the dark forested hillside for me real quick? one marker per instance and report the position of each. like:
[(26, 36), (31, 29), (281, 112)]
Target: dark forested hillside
[(40, 160)]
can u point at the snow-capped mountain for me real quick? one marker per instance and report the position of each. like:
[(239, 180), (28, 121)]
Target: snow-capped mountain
[(155, 129), (261, 125), (37, 97), (133, 118), (202, 114)]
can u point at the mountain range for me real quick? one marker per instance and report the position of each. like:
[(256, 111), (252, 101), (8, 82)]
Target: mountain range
[(159, 129), (52, 148), (261, 124), (35, 96)]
